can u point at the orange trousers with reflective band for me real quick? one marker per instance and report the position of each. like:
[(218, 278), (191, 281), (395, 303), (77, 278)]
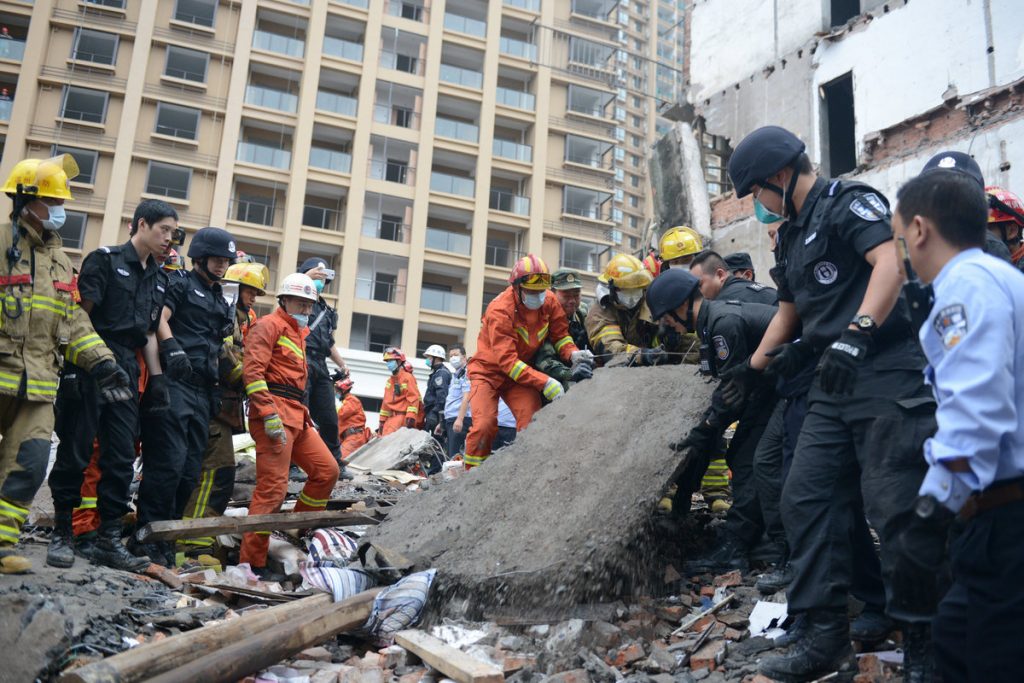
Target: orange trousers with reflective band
[(308, 451), (483, 403)]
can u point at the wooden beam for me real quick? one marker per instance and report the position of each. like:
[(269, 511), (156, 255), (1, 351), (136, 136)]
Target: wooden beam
[(453, 662), (212, 526)]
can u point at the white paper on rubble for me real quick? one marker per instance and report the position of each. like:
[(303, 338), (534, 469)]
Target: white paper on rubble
[(457, 636), (766, 618)]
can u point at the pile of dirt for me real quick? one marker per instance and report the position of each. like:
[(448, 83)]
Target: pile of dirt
[(564, 514)]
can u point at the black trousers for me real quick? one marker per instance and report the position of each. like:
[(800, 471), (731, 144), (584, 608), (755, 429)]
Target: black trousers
[(979, 622), (172, 453), (866, 443), (320, 401), (80, 419), (768, 478), (457, 440)]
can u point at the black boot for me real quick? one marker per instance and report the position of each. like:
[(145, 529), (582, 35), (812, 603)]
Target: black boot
[(343, 473), (731, 554), (110, 551), (918, 659), (825, 648), (85, 545), (61, 552), (296, 474), (154, 552), (871, 626), (775, 579), (793, 634)]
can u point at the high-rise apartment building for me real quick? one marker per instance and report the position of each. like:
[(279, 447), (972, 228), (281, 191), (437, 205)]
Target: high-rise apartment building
[(418, 147)]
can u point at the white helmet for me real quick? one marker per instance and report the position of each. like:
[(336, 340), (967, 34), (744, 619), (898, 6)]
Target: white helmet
[(298, 284), (435, 350)]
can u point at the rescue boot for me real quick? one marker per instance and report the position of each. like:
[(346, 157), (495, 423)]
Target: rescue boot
[(918, 658), (153, 552), (296, 474), (775, 579), (85, 544), (61, 552), (730, 555), (110, 551), (11, 562), (343, 473), (825, 648), (871, 626), (793, 634)]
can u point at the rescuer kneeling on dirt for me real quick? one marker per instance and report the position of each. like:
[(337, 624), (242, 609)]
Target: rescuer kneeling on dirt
[(274, 372)]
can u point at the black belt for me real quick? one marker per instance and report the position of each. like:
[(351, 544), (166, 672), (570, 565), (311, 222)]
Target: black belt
[(997, 495), (285, 391)]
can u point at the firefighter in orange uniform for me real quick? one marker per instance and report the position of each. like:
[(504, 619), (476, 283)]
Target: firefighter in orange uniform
[(351, 419), (274, 373), (401, 405), (514, 327)]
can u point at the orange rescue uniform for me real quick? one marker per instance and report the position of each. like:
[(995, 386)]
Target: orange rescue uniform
[(401, 401), (509, 339), (274, 373), (352, 425)]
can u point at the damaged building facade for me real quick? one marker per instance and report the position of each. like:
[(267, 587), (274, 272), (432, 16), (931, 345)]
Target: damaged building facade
[(873, 88)]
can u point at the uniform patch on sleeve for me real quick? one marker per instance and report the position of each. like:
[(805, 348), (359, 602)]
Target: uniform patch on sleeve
[(869, 206), (721, 346), (438, 381), (951, 325)]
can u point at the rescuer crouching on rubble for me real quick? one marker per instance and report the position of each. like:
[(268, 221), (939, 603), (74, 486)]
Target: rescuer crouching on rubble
[(515, 325), (274, 372)]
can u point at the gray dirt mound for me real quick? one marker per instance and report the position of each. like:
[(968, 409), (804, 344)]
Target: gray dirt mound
[(562, 515)]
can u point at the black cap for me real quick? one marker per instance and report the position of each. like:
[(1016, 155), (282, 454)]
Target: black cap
[(739, 261), (311, 263), (955, 161), (669, 291), (761, 154)]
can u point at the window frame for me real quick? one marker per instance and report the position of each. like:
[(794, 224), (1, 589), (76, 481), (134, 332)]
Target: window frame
[(58, 149), (156, 122), (64, 104), (78, 39), (211, 25), (65, 234), (167, 61), (149, 174)]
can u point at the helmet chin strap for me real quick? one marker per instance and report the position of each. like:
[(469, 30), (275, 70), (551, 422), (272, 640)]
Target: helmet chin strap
[(688, 322), (201, 267)]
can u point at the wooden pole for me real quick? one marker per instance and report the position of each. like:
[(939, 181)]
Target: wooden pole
[(212, 526)]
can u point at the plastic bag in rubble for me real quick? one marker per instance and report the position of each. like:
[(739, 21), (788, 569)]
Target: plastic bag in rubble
[(399, 607), (281, 674), (240, 576), (341, 583), (331, 548)]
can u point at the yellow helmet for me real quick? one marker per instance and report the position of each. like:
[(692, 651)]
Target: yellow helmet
[(679, 242), (255, 275), (43, 177), (625, 271)]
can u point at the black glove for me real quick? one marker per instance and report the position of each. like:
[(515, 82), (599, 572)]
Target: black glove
[(654, 356), (430, 422), (918, 551), (174, 360), (701, 438), (112, 381), (157, 399), (410, 422), (838, 367), (790, 359), (737, 383), (581, 372), (339, 375)]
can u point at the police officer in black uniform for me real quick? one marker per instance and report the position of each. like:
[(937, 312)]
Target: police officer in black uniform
[(717, 282), (323, 321), (729, 331), (868, 409), (195, 320), (123, 289)]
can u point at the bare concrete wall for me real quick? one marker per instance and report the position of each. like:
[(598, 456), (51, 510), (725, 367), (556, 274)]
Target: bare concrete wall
[(677, 180)]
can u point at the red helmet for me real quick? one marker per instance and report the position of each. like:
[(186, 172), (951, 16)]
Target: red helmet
[(344, 385), (394, 353), (999, 200), (530, 272), (653, 264)]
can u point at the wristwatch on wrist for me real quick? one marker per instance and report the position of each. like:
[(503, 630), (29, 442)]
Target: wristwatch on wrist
[(865, 323)]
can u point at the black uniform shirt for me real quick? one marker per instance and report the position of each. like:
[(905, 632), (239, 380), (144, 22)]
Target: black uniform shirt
[(437, 391), (127, 296), (323, 321), (738, 289), (821, 266), (200, 320)]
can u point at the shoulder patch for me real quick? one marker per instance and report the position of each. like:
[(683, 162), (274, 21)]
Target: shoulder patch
[(869, 206), (123, 272), (951, 325), (199, 294), (721, 347), (756, 286), (439, 380)]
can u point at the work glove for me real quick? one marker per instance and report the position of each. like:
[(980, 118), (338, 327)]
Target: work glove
[(581, 372), (430, 423), (553, 389), (840, 362), (275, 428), (339, 375), (174, 360), (918, 551), (157, 399), (789, 359), (702, 438), (410, 422), (653, 356), (737, 383), (578, 357), (112, 381)]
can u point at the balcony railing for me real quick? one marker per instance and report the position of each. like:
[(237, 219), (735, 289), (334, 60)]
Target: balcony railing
[(344, 49), (406, 63), (325, 219), (461, 24), (515, 98), (5, 109), (392, 171), (335, 103), (452, 184), (446, 240), (587, 265), (361, 4), (506, 149), (332, 160), (380, 290), (503, 257), (460, 76), (264, 155), (518, 48), (591, 160), (385, 229), (595, 213), (446, 302), (258, 96), (457, 130), (408, 10), (272, 42), (512, 203), (248, 211), (13, 50), (396, 116), (529, 5)]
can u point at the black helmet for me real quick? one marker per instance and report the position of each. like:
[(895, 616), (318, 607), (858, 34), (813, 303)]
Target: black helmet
[(670, 290), (311, 263), (212, 242), (761, 154)]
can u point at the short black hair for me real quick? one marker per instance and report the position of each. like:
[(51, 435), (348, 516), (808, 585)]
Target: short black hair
[(950, 199), (803, 164), (457, 347), (709, 261), (152, 211)]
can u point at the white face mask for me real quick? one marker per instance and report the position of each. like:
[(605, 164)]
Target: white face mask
[(534, 300), (456, 362), (57, 217), (630, 298)]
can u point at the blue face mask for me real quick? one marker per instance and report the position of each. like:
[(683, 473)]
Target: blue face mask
[(302, 319), (534, 300), (764, 215), (319, 284), (392, 365)]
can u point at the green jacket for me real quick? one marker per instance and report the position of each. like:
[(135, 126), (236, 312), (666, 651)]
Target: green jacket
[(547, 359)]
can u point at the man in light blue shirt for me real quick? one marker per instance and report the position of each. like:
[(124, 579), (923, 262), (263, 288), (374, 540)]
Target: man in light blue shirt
[(974, 341), (457, 415)]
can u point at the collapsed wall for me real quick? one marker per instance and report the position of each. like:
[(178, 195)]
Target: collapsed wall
[(563, 515)]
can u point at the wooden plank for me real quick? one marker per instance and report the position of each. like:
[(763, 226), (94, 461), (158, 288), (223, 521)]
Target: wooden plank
[(212, 526), (454, 663)]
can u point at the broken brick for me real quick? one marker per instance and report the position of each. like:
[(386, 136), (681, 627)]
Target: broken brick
[(733, 634), (627, 655), (707, 657), (574, 676), (413, 676), (733, 578), (515, 661), (703, 623), (672, 613), (317, 654), (707, 591)]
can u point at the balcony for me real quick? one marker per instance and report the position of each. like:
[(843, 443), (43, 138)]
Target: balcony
[(13, 50), (467, 25), (264, 155), (502, 200), (518, 48), (458, 75), (259, 96), (343, 49), (336, 103), (516, 99), (501, 255), (392, 171), (386, 229), (6, 105), (396, 116), (528, 5), (452, 184), (507, 149), (408, 10), (380, 289), (331, 160), (283, 45), (322, 218), (446, 240), (441, 300), (252, 211), (401, 62), (457, 130)]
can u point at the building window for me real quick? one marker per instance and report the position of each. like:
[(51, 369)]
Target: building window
[(584, 256), (176, 121), (634, 223), (838, 125), (843, 11), (116, 4), (636, 102), (83, 104), (199, 12), (86, 159), (635, 160), (634, 180), (72, 234), (636, 141), (168, 180), (634, 201), (95, 46), (189, 65), (637, 122)]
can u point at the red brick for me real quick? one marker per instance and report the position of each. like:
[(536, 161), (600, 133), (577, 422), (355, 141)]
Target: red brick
[(627, 655), (702, 623), (705, 657), (672, 613), (574, 676), (413, 676), (733, 634), (707, 591), (733, 578), (514, 662)]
